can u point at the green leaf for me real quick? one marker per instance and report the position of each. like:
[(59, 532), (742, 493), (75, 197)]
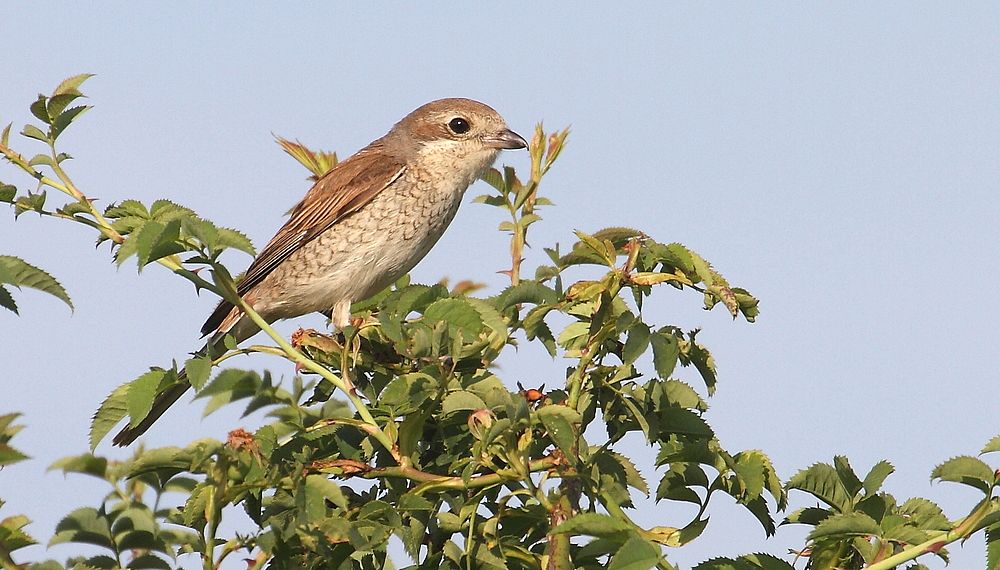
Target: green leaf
[(318, 490), (86, 464), (112, 410), (619, 236), (594, 524), (8, 454), (127, 208), (841, 526), (822, 482), (636, 554), (809, 515), (632, 475), (71, 85), (17, 272), (876, 476), (7, 193), (993, 548), (12, 537), (407, 393), (7, 300), (966, 470), (85, 525), (756, 561), (33, 132), (461, 401), (156, 240), (636, 343), (559, 422), (58, 103), (992, 446), (236, 240), (749, 466), (665, 353), (65, 118), (846, 474), (457, 313), (525, 292), (198, 369), (141, 393), (683, 422), (38, 108)]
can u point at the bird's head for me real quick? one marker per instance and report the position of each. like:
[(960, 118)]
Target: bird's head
[(459, 134)]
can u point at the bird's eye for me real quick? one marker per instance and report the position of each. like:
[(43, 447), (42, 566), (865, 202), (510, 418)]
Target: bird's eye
[(458, 125)]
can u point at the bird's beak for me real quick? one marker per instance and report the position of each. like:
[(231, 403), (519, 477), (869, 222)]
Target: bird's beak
[(505, 139)]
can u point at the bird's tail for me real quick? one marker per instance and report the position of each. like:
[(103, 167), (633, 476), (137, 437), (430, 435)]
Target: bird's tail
[(160, 405)]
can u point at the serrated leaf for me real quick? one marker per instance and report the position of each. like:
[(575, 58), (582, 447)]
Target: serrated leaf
[(71, 85), (841, 526), (111, 411), (328, 490), (636, 343), (85, 525), (992, 445), (407, 393), (966, 470), (749, 466), (559, 422), (850, 481), (993, 548), (86, 464), (458, 313), (7, 193), (460, 401), (632, 475), (17, 272), (493, 177), (64, 119), (127, 208), (876, 476), (38, 109), (194, 507), (525, 292), (12, 537), (7, 300), (156, 240), (198, 370), (141, 393), (33, 132), (236, 240), (683, 422), (594, 524), (821, 481), (58, 103), (665, 353), (636, 554)]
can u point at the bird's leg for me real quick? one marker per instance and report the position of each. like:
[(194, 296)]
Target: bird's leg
[(340, 314)]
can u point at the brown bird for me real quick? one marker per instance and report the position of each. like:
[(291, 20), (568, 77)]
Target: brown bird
[(362, 226)]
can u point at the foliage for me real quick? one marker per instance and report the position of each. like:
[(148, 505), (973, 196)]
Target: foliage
[(432, 445)]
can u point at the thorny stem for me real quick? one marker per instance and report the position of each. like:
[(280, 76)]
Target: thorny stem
[(961, 530), (296, 356)]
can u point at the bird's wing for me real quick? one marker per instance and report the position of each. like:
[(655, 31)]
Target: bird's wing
[(345, 189)]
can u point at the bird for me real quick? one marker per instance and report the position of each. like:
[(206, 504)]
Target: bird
[(362, 226)]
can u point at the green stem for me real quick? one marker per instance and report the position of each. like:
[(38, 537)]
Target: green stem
[(433, 482), (293, 354)]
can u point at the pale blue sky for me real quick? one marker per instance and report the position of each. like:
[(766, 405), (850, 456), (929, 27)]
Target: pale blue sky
[(841, 161)]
